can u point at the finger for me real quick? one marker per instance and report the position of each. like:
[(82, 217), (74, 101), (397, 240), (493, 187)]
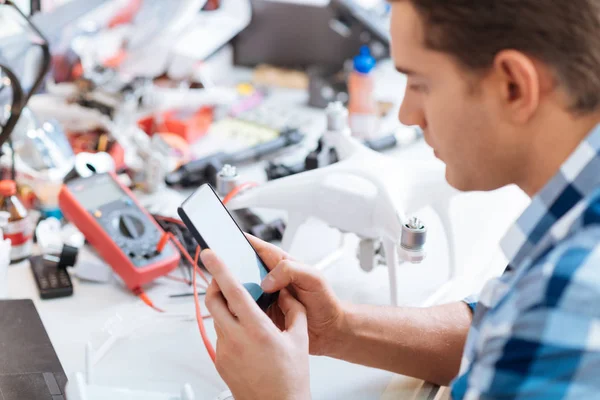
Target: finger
[(216, 304), (214, 282), (295, 314), (289, 272), (277, 316), (268, 252), (238, 299)]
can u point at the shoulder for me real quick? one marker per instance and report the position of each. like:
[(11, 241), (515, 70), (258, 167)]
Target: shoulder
[(567, 275)]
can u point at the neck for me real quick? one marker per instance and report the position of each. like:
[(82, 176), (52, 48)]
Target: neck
[(551, 146)]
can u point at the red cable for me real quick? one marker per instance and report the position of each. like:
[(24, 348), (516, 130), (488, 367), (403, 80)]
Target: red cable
[(144, 297), (237, 191), (197, 271), (160, 246), (162, 242), (199, 318), (209, 347)]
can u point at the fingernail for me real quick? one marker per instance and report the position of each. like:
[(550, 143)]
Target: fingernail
[(268, 283)]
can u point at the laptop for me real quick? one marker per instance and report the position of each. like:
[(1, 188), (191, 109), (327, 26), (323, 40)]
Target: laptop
[(29, 366)]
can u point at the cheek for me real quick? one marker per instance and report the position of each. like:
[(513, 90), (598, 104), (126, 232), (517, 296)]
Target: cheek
[(460, 132), (447, 123)]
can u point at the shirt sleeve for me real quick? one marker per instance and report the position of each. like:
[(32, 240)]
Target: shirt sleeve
[(471, 301), (543, 340)]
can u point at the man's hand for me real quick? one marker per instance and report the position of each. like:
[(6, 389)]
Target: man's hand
[(255, 358), (324, 310)]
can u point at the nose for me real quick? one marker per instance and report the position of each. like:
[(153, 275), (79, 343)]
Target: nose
[(411, 112)]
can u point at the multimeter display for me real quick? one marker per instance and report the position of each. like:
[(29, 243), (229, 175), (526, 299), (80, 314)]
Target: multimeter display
[(121, 231), (104, 191)]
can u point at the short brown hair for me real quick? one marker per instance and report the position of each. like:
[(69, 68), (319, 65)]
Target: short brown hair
[(564, 34)]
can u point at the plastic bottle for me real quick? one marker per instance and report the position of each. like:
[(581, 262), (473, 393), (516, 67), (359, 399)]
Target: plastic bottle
[(362, 106), (18, 229)]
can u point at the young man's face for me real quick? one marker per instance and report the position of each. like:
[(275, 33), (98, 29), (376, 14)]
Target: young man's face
[(460, 116)]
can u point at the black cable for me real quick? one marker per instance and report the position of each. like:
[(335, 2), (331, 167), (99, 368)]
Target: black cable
[(16, 107), (184, 262), (35, 6), (13, 170), (46, 56), (19, 98), (184, 237)]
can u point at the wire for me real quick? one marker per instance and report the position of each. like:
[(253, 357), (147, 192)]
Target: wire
[(18, 102), (209, 347), (197, 271), (178, 279), (173, 296), (169, 219), (237, 190), (160, 246), (177, 231), (162, 243), (139, 292), (178, 228), (13, 160)]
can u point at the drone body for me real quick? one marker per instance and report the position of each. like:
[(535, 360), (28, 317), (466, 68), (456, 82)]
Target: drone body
[(365, 193)]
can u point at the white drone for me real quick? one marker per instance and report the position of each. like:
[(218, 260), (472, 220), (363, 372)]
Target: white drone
[(365, 193)]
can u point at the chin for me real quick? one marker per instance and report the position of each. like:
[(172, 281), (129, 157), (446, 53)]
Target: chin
[(467, 183)]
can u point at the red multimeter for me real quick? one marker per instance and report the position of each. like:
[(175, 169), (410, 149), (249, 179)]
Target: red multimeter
[(120, 230)]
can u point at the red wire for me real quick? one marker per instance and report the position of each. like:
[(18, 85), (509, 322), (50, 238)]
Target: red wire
[(144, 297), (185, 254), (197, 271), (237, 191), (160, 246), (209, 347)]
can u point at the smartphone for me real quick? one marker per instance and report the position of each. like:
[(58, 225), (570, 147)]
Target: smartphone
[(213, 227)]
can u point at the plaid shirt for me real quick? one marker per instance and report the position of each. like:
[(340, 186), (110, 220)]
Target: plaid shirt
[(536, 330)]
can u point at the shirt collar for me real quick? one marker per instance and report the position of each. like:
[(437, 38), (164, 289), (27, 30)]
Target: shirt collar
[(576, 180)]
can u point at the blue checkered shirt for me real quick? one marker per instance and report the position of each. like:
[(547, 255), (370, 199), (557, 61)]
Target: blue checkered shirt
[(536, 329)]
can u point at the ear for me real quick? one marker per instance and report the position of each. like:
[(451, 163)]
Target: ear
[(519, 84)]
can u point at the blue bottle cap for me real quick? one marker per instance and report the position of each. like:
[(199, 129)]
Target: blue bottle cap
[(364, 62), (52, 212)]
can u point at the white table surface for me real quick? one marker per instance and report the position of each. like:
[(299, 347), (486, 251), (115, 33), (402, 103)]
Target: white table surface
[(168, 353)]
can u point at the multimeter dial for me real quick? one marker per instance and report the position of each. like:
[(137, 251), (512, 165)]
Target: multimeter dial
[(130, 226), (133, 235)]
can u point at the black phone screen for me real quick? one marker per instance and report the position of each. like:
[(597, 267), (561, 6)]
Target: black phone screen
[(212, 226)]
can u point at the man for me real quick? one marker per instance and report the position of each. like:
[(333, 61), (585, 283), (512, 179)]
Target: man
[(506, 91)]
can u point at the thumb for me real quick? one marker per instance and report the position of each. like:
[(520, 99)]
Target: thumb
[(295, 314), (289, 272), (268, 252)]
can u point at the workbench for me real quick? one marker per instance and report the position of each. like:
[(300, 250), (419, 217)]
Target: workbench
[(166, 352)]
